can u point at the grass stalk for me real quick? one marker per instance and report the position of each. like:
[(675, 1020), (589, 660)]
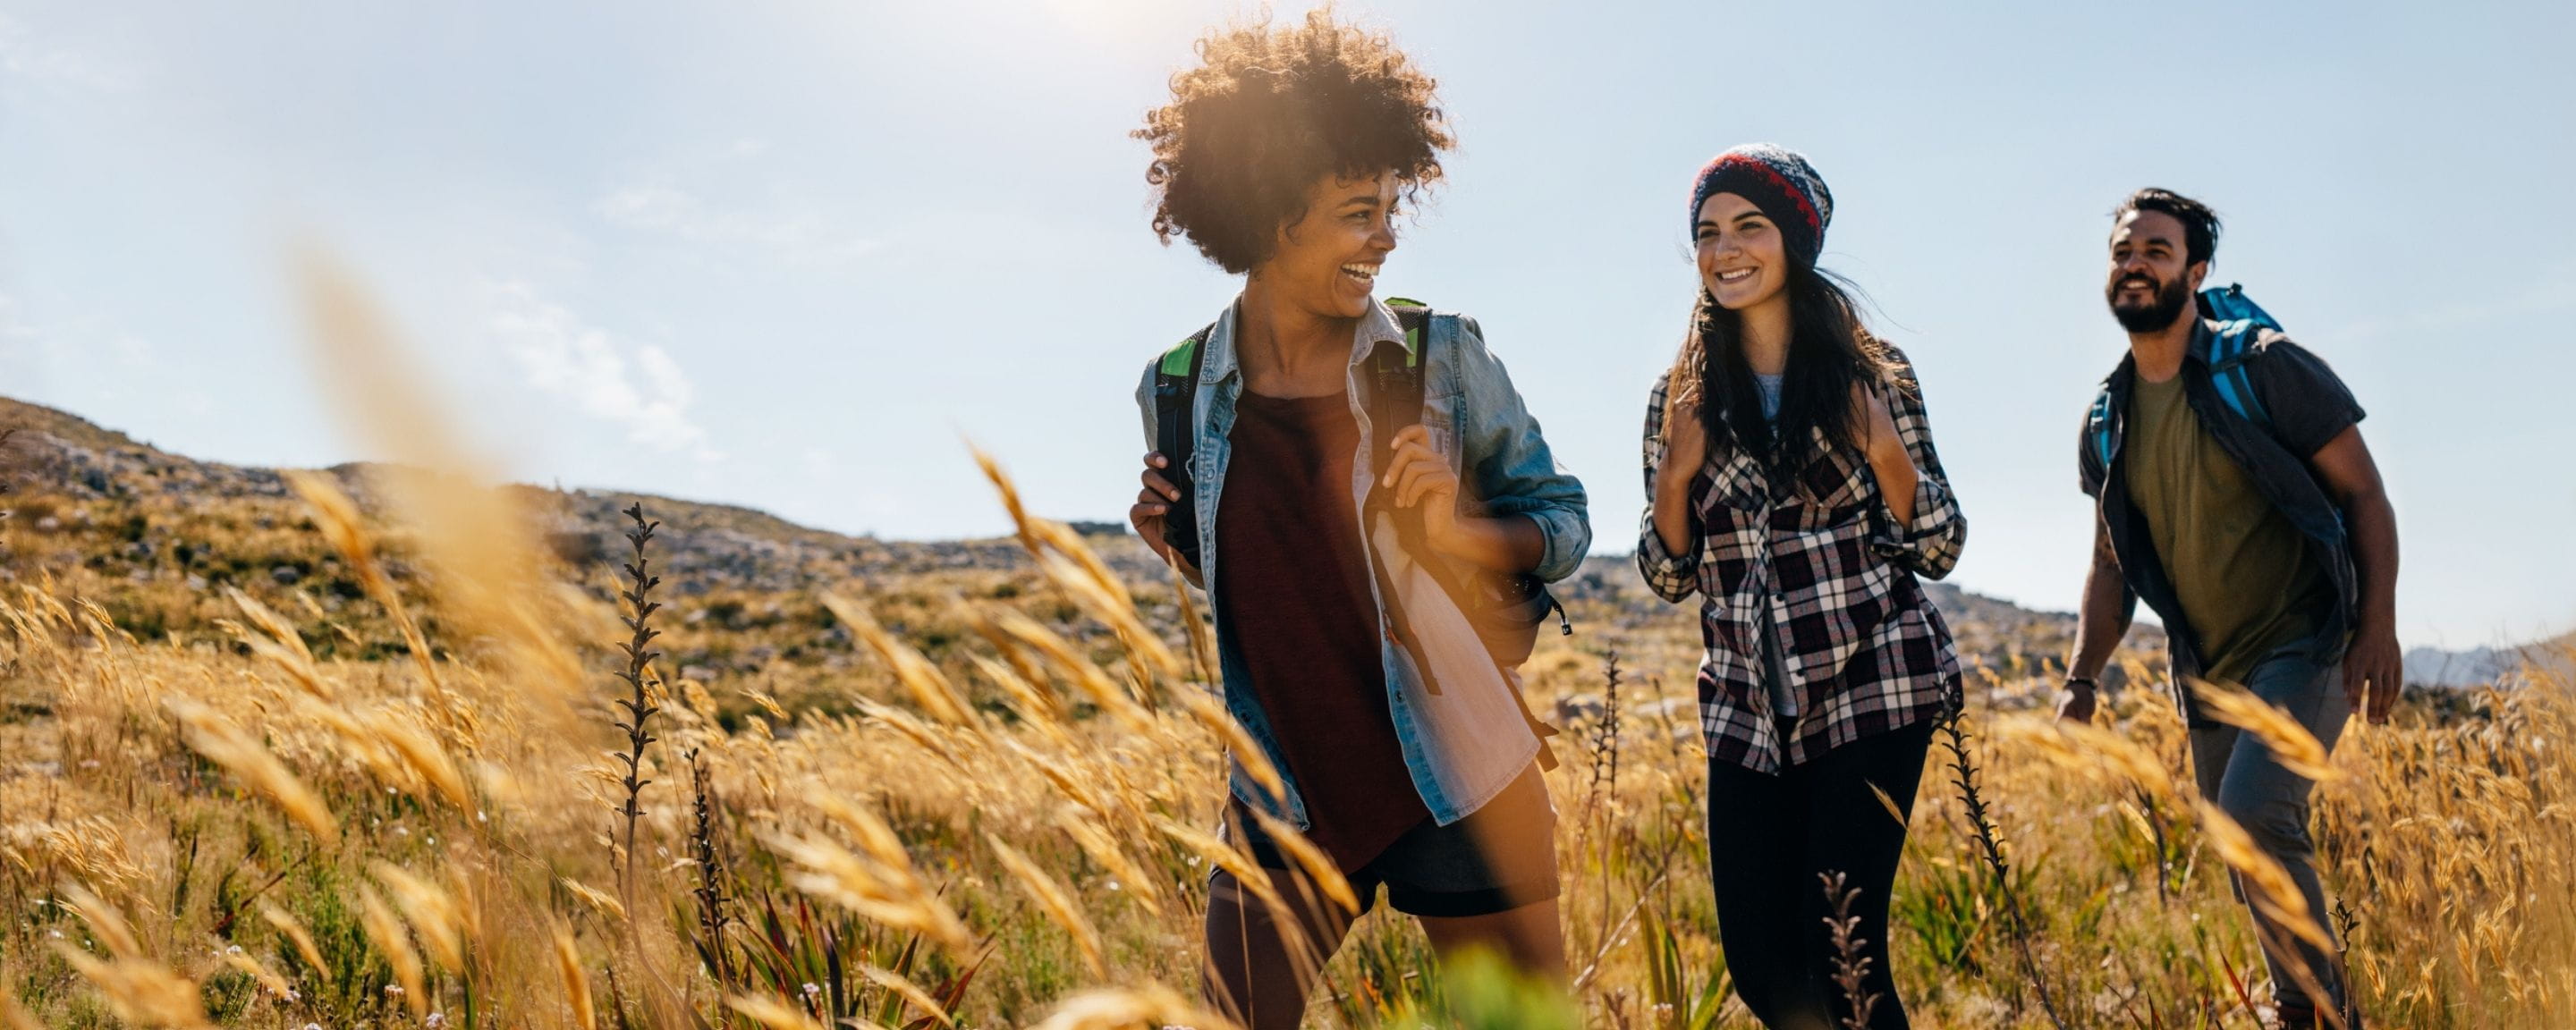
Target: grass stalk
[(1989, 843), (639, 705), (1851, 963)]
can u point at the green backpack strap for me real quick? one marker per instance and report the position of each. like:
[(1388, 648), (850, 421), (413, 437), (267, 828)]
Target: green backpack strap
[(1412, 315)]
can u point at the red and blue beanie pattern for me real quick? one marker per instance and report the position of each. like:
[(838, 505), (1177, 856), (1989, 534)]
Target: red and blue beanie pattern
[(1778, 181)]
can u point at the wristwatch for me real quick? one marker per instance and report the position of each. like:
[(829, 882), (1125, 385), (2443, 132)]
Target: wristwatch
[(2088, 682)]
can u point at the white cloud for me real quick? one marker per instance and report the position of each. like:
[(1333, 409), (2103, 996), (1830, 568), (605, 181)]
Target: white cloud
[(26, 57), (134, 352), (58, 344), (581, 365), (14, 331), (821, 465), (24, 352), (798, 234), (660, 202)]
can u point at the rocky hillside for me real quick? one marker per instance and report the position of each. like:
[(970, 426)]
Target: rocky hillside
[(153, 536), (75, 486)]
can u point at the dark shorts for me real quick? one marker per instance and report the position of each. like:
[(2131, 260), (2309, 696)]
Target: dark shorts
[(1499, 858)]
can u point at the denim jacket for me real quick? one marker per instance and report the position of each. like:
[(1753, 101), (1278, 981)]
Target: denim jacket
[(1477, 420)]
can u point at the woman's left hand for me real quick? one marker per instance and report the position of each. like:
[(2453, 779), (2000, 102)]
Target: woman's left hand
[(1889, 462), (1421, 479), (1883, 444)]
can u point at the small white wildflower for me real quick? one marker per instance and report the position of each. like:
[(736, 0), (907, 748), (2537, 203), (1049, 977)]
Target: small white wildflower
[(436, 1020), (234, 950), (393, 989), (312, 1026), (55, 934), (811, 990), (401, 832)]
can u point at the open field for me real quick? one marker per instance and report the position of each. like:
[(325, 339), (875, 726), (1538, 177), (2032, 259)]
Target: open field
[(343, 750)]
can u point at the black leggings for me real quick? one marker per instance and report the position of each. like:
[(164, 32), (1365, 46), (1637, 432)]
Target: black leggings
[(1768, 839)]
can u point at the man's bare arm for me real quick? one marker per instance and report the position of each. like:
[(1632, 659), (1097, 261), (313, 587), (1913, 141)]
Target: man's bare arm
[(2099, 625), (2374, 663)]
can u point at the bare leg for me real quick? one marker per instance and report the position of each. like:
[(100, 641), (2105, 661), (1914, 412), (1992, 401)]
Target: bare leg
[(1516, 835), (1253, 976), (1528, 937)]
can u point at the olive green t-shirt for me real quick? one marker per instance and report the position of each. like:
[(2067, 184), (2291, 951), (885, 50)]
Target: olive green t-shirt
[(2247, 581)]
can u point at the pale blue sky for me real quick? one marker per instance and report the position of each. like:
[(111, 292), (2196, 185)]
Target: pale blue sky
[(784, 255)]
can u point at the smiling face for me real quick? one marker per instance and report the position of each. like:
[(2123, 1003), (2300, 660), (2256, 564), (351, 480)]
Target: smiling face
[(1742, 259), (2152, 276), (1327, 261)]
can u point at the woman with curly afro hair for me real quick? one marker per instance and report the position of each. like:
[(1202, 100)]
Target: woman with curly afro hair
[(1344, 535)]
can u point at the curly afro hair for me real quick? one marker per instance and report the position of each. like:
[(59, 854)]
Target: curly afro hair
[(1270, 110)]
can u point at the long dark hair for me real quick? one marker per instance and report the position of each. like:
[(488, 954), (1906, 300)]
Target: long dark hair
[(1829, 353)]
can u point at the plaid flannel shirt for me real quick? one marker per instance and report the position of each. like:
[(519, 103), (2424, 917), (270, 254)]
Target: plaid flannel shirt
[(1857, 634)]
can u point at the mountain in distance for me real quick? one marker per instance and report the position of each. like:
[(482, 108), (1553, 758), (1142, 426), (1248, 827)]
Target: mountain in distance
[(2478, 666)]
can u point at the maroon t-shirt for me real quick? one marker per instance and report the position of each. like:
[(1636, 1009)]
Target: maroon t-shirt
[(1293, 588)]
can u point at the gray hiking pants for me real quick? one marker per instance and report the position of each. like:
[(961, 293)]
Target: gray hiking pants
[(2238, 774)]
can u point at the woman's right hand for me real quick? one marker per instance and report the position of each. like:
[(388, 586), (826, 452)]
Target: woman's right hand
[(1152, 504), (1685, 441), (1685, 437)]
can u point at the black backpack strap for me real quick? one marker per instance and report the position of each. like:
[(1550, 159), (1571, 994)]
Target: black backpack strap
[(1394, 402), (1524, 598), (1176, 388), (1395, 378), (1397, 375)]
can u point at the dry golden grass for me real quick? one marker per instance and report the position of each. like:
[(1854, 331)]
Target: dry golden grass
[(1003, 816), (992, 863)]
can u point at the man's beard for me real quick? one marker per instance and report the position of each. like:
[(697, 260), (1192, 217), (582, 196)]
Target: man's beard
[(2171, 299)]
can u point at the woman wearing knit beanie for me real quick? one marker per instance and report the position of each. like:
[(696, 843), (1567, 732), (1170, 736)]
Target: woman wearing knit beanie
[(1794, 487)]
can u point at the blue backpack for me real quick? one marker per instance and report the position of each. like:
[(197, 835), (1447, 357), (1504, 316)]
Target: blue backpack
[(2238, 323)]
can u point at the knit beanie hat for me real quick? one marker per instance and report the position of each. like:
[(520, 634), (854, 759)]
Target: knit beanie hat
[(1780, 183)]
